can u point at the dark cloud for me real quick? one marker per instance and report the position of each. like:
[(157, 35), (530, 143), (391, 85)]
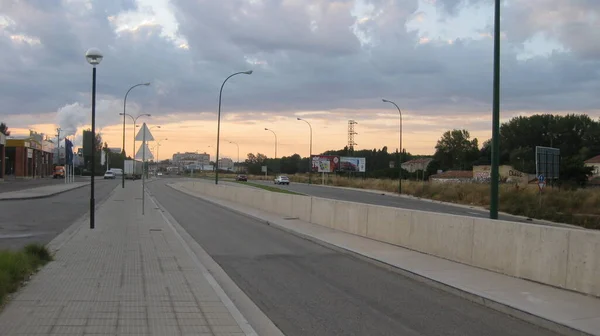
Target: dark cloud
[(306, 54)]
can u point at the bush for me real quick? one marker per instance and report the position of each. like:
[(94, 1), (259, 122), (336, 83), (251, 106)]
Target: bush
[(16, 266)]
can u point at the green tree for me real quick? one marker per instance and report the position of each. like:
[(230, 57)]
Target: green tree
[(455, 150), (4, 129)]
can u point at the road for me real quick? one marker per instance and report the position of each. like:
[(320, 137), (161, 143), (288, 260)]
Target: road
[(40, 220), (392, 201), (307, 289)]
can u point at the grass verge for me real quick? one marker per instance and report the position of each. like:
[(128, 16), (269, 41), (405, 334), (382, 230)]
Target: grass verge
[(268, 188), (17, 266)]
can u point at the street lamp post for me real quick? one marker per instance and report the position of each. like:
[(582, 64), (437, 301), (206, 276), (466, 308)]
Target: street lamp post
[(238, 148), (134, 119), (400, 150), (309, 153), (270, 130), (494, 174), (125, 114), (58, 146), (93, 57), (249, 72), (157, 147)]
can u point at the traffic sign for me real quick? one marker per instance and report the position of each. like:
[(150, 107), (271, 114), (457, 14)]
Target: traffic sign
[(541, 185), (541, 178)]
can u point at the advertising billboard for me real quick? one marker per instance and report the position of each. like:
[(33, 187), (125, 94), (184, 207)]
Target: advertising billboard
[(547, 162), (353, 164), (325, 163)]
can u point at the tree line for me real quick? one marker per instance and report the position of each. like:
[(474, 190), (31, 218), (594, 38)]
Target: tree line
[(577, 137)]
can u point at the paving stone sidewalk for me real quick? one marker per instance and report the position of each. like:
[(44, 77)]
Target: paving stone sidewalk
[(41, 192), (131, 275)]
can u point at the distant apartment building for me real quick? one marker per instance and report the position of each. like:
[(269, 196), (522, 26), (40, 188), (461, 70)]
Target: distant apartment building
[(226, 164), (188, 159), (416, 164)]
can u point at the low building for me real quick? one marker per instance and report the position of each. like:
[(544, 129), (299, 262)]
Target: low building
[(595, 164), (452, 176), (416, 165), (191, 158), (29, 158)]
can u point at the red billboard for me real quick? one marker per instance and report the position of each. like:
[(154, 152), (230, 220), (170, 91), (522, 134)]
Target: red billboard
[(325, 163)]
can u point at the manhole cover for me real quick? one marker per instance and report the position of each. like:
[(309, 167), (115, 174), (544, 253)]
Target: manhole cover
[(290, 218)]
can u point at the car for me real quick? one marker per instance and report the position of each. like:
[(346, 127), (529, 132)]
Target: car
[(282, 179), (116, 171), (159, 174), (109, 175), (241, 178)]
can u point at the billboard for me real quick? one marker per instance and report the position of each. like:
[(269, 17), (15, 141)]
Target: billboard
[(325, 163), (547, 162), (353, 164)]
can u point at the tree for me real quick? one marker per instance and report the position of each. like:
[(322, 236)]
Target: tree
[(455, 150), (4, 129)]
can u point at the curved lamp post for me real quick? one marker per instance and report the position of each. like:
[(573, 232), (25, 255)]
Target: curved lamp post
[(400, 151), (94, 57), (309, 153), (249, 72), (157, 147), (270, 130), (125, 114)]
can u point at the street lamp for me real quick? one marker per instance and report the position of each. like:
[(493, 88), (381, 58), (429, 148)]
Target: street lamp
[(134, 126), (400, 154), (93, 57), (270, 130), (249, 72), (125, 114), (238, 148), (157, 147), (494, 174), (309, 153)]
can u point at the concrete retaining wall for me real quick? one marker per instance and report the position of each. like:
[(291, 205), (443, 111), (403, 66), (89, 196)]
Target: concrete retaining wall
[(561, 257)]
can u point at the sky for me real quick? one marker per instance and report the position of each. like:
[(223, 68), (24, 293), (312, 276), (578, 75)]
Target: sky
[(326, 61)]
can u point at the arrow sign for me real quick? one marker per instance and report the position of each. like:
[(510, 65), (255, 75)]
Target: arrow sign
[(140, 135), (140, 155)]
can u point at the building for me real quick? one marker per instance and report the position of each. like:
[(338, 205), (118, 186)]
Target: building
[(191, 159), (2, 156), (416, 165), (452, 176), (595, 164), (29, 157), (226, 164)]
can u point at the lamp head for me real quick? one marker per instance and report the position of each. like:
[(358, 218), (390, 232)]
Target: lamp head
[(147, 84), (385, 100), (94, 56), (249, 72), (266, 129)]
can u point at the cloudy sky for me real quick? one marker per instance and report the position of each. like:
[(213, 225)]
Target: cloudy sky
[(327, 61)]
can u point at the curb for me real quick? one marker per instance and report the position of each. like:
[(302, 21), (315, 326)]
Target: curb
[(42, 196), (486, 302)]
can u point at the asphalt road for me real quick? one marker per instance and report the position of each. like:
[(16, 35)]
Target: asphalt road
[(392, 201), (40, 220), (307, 289)]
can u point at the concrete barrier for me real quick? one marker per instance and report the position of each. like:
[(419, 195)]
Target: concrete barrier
[(561, 257)]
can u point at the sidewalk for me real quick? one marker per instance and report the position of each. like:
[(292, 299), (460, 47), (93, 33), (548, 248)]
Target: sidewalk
[(40, 192), (131, 275), (550, 307)]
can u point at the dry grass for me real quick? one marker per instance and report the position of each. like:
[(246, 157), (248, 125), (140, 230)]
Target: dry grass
[(579, 207)]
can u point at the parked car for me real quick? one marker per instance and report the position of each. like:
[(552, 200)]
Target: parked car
[(117, 171), (159, 174), (241, 178), (282, 179), (109, 175), (59, 171)]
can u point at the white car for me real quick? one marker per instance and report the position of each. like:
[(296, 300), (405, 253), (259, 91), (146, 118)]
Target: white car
[(109, 175), (116, 171), (159, 174), (282, 179)]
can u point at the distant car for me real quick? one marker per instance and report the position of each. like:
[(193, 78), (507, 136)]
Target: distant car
[(159, 174), (241, 178), (282, 179), (109, 175), (117, 171)]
